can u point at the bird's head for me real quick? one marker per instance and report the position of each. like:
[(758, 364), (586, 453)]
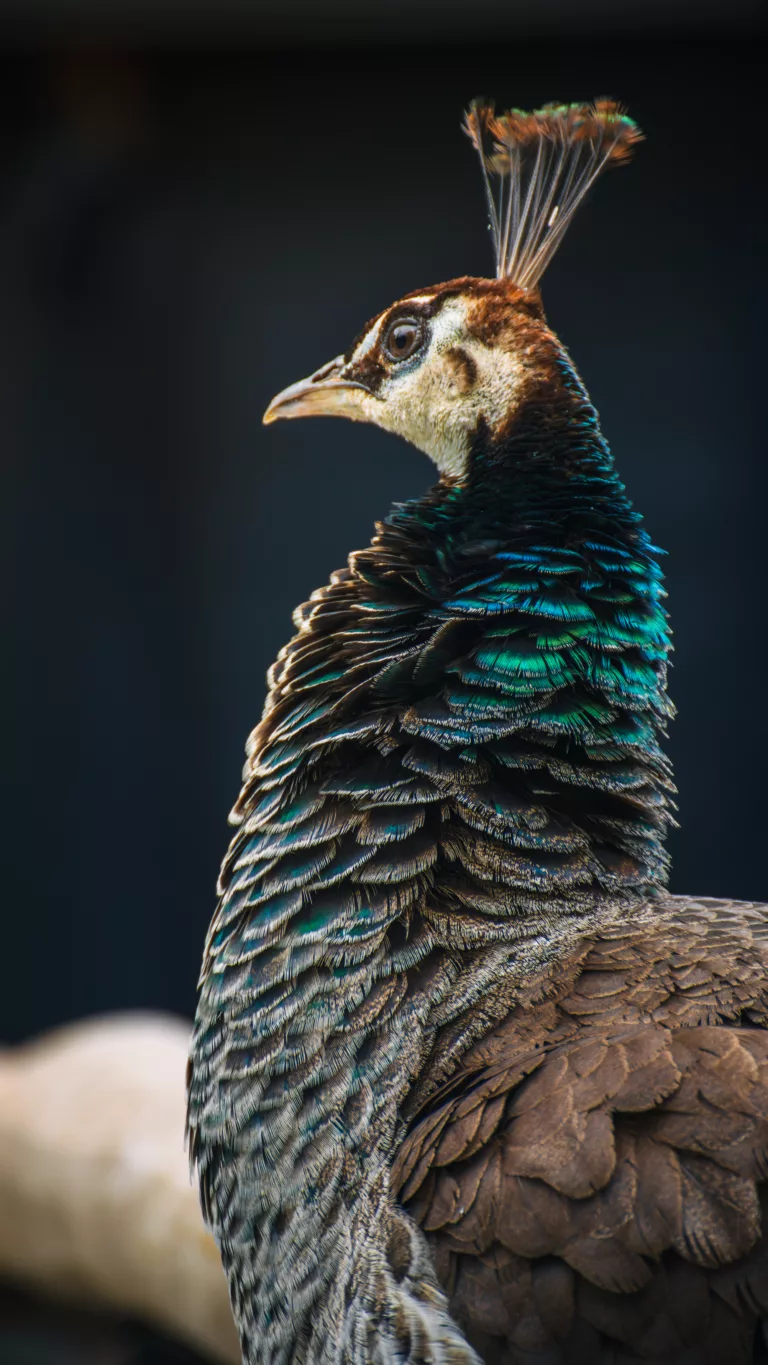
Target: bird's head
[(447, 362), (433, 368)]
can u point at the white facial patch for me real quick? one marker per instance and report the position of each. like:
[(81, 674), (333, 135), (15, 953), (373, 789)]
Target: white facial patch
[(436, 400), (419, 298), (369, 340)]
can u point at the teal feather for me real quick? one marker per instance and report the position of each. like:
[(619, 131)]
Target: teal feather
[(462, 749)]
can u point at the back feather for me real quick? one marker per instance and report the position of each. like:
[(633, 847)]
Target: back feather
[(544, 163)]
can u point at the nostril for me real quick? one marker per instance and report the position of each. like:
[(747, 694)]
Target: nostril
[(325, 371)]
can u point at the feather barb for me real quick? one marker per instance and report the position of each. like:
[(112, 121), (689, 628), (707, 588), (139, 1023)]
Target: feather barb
[(537, 168)]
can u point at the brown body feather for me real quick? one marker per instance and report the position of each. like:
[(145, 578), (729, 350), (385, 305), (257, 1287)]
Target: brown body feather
[(592, 1178)]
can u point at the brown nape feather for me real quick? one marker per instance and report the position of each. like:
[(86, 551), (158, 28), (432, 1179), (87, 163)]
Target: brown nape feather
[(544, 162), (593, 1177)]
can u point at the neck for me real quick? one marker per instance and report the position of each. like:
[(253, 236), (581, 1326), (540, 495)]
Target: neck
[(457, 773), (548, 462)]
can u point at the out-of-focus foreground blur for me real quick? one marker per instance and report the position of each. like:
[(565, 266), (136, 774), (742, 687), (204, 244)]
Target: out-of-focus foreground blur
[(199, 205)]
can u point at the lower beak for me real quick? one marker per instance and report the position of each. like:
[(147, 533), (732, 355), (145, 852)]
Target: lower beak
[(323, 394)]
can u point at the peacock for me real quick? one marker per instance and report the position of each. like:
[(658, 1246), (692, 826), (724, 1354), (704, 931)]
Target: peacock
[(466, 1082)]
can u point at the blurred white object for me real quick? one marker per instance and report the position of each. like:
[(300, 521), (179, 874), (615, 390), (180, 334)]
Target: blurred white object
[(96, 1202)]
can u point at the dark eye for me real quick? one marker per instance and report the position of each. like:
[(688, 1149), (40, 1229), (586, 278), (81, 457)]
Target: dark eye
[(403, 338)]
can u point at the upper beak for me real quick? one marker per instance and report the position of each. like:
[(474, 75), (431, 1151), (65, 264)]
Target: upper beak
[(322, 394)]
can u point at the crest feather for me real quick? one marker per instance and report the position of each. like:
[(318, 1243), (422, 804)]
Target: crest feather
[(543, 163)]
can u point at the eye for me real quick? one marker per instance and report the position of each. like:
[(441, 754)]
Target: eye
[(403, 338)]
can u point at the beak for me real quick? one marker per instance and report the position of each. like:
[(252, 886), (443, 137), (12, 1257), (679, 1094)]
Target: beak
[(323, 394)]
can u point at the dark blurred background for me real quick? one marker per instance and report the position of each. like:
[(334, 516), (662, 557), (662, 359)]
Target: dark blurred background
[(198, 206), (201, 202)]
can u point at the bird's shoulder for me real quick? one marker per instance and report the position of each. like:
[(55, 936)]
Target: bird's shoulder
[(596, 1163)]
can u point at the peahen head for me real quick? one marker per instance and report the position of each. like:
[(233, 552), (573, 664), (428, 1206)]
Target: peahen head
[(454, 362)]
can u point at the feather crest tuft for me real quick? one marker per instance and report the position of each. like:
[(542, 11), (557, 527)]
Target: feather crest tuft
[(543, 162)]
